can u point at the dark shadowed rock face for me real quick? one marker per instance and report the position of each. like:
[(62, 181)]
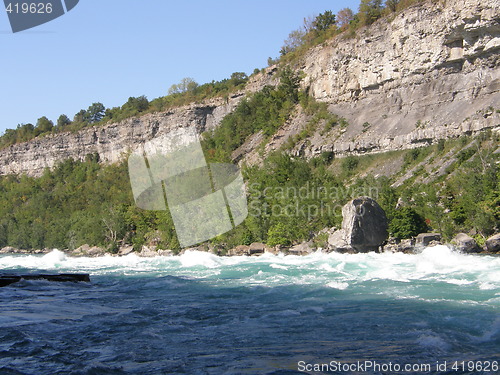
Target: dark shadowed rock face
[(364, 224)]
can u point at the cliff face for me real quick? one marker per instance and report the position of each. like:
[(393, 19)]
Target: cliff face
[(431, 72), (114, 140), (110, 141)]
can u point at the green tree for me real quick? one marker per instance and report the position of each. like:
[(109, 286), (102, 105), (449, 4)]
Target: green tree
[(81, 116), (407, 223), (238, 78), (349, 164), (44, 125), (62, 122), (25, 132), (95, 112), (295, 40), (279, 234), (344, 17), (369, 11), (289, 84), (138, 104), (3, 235), (185, 85), (392, 5), (324, 21)]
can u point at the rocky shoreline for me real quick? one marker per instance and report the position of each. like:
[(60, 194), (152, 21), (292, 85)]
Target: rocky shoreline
[(462, 243), (407, 246)]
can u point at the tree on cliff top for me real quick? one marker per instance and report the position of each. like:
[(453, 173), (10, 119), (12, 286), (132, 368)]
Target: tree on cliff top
[(95, 112), (44, 125), (62, 121), (185, 85), (324, 21)]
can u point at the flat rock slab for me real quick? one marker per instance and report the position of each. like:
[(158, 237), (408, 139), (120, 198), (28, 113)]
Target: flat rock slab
[(62, 277)]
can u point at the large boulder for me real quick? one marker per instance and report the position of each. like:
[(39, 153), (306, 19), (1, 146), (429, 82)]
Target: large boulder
[(364, 224), (397, 245), (493, 244), (96, 251), (82, 250), (148, 252), (125, 250), (465, 243)]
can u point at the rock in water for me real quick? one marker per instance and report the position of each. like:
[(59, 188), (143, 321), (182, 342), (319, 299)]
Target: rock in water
[(337, 242), (256, 248), (426, 239), (364, 224), (62, 277), (303, 248), (465, 243), (493, 243)]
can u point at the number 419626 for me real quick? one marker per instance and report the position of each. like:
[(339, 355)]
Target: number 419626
[(32, 8)]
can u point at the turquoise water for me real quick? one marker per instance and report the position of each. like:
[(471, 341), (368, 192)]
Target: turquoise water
[(202, 314)]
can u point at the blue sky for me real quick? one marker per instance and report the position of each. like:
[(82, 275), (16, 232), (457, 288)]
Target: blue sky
[(108, 50)]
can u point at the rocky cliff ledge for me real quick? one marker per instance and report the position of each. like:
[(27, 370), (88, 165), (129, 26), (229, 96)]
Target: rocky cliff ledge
[(111, 141)]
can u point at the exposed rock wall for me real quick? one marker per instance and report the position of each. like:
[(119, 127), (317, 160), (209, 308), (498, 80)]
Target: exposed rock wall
[(113, 141), (110, 141), (431, 72)]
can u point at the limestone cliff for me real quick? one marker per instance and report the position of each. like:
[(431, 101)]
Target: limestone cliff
[(426, 73), (430, 72), (113, 141)]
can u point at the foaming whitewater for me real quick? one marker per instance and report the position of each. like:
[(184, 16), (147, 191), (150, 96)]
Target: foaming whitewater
[(439, 264), (200, 313)]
